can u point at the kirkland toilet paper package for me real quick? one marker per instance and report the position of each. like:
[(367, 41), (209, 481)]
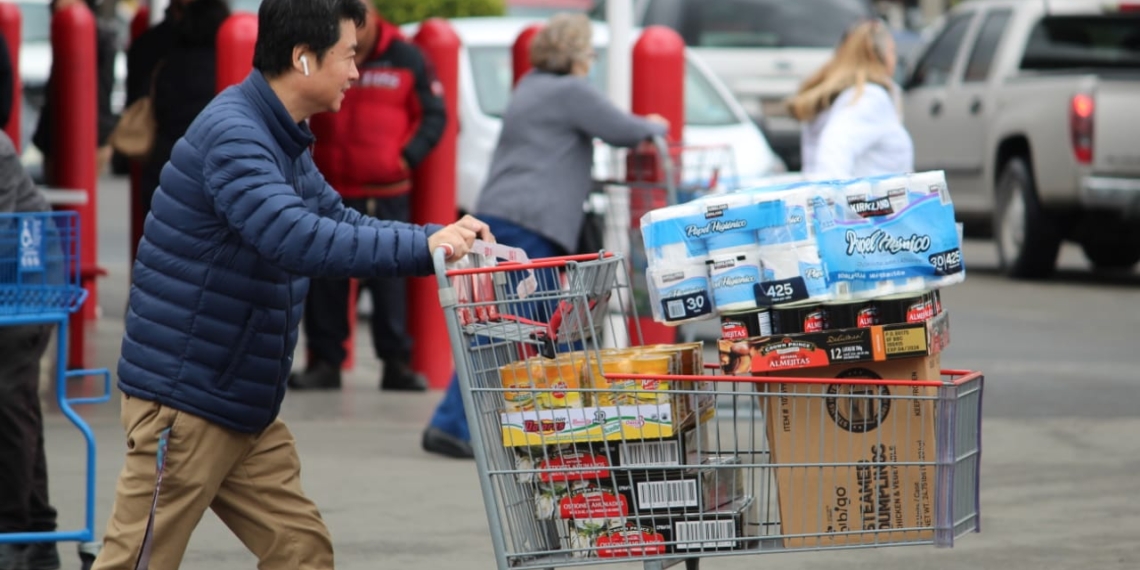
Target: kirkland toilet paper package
[(680, 292), (734, 270), (790, 273), (684, 230), (791, 267), (891, 235), (813, 241)]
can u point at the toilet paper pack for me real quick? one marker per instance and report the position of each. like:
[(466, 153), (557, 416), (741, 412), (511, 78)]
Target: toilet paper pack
[(684, 229), (790, 273), (734, 277), (680, 292), (889, 239)]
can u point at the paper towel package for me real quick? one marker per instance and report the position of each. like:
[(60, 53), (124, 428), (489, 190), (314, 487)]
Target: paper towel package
[(680, 292), (874, 249), (802, 241)]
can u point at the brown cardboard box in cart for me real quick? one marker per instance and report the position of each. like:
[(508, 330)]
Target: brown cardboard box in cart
[(867, 435)]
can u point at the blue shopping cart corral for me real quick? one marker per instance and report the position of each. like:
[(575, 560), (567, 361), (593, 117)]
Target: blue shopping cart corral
[(40, 284)]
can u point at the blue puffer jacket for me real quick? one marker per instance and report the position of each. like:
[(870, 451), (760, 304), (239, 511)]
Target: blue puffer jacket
[(241, 219)]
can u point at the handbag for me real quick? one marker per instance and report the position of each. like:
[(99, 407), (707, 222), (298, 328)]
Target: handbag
[(134, 134)]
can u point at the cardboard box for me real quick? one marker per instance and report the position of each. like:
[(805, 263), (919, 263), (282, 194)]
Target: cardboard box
[(725, 528), (779, 353), (851, 425), (532, 428)]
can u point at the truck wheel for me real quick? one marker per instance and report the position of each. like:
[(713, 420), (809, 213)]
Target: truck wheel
[(1027, 240), (1119, 256)]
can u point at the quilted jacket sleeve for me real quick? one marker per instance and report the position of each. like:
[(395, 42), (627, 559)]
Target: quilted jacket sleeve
[(254, 199)]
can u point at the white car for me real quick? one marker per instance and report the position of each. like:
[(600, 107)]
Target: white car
[(712, 117)]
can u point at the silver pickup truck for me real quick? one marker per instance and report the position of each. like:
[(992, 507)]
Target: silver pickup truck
[(1031, 108)]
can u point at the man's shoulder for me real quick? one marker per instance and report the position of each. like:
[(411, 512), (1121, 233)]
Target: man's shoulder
[(228, 117)]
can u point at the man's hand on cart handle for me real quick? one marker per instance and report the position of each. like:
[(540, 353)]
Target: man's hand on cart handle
[(457, 239)]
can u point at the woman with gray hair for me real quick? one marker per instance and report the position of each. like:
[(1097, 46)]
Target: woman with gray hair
[(540, 171)]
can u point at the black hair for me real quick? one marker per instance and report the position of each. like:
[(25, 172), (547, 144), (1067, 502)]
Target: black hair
[(285, 24)]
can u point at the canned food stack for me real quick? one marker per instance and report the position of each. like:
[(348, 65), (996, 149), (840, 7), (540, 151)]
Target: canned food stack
[(813, 317), (802, 244)]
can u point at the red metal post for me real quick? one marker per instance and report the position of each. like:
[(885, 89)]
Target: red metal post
[(139, 24), (659, 77), (433, 201), (74, 139), (10, 24), (236, 40), (658, 87), (520, 52)]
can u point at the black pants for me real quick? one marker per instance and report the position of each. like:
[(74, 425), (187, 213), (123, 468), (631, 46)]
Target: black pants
[(326, 307), (24, 505)]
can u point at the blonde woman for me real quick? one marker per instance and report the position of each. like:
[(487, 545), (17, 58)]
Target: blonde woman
[(850, 111), (540, 172)]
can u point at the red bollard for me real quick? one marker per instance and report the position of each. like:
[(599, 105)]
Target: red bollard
[(433, 201), (658, 87), (236, 39), (74, 138), (10, 24), (520, 52), (659, 77), (139, 24)]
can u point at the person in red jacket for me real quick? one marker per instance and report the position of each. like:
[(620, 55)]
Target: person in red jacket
[(389, 122)]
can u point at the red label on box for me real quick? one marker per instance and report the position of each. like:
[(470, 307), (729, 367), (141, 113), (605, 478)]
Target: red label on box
[(733, 331), (790, 354), (593, 505), (593, 467), (630, 542)]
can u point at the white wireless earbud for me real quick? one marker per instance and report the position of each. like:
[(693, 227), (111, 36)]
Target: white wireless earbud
[(305, 64)]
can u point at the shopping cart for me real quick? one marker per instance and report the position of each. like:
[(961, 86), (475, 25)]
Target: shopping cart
[(40, 284), (585, 458)]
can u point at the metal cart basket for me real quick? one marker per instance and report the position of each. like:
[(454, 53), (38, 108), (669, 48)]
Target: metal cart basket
[(593, 449)]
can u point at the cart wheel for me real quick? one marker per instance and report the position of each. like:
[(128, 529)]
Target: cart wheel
[(87, 553)]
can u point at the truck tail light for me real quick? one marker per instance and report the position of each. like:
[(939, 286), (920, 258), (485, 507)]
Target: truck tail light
[(1081, 112)]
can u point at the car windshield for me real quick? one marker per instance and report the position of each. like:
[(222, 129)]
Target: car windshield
[(36, 21), (753, 23), (1067, 42), (491, 68)]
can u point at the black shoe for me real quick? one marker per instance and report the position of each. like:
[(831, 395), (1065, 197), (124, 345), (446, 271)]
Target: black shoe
[(398, 376), (12, 557), (41, 556), (320, 375), (438, 441)]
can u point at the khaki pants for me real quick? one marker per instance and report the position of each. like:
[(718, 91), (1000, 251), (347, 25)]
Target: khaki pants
[(251, 481)]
